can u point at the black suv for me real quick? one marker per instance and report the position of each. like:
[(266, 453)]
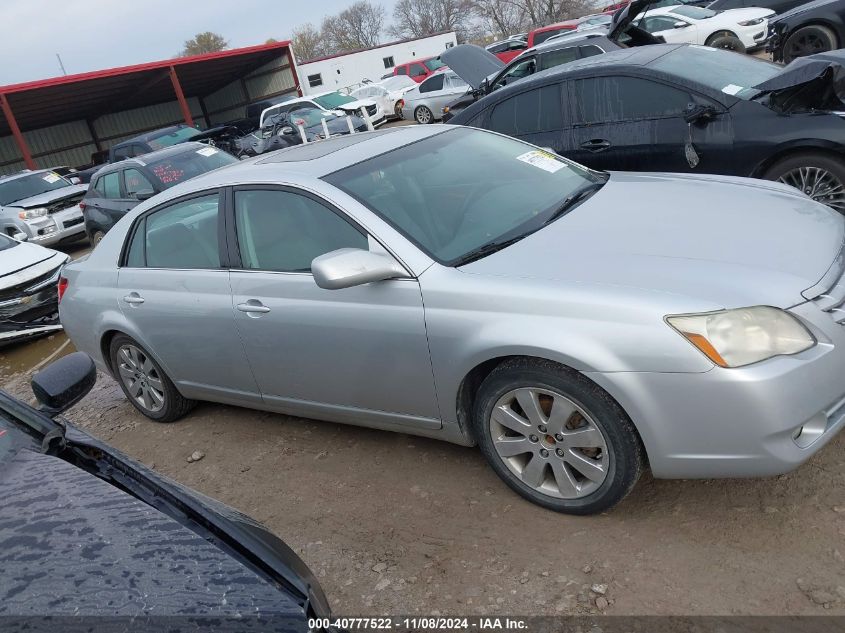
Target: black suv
[(117, 188)]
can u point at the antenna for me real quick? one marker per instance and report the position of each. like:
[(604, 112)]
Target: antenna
[(61, 65)]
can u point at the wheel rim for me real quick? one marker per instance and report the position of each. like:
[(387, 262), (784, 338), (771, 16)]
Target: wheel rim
[(807, 44), (140, 377), (423, 115), (820, 184), (549, 442)]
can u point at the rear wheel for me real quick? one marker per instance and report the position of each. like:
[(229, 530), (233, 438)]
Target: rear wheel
[(556, 438), (727, 41), (144, 382), (97, 238), (817, 175), (423, 115), (809, 40)]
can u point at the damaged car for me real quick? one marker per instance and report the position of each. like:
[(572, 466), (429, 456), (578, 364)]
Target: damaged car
[(41, 205), (334, 102), (29, 277), (814, 27), (92, 540), (685, 108)]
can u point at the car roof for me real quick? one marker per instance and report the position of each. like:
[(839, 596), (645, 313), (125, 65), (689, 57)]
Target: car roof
[(569, 39), (151, 157), (555, 26)]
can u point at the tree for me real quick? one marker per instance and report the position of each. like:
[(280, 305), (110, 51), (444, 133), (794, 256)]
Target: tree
[(541, 12), (308, 42), (358, 26), (206, 42), (418, 18), (502, 17)]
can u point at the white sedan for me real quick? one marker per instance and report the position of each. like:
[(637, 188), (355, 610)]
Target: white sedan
[(387, 93), (331, 101), (733, 29)]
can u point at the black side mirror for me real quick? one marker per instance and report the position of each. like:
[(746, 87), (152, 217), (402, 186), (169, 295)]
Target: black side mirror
[(146, 194), (698, 112), (62, 384)]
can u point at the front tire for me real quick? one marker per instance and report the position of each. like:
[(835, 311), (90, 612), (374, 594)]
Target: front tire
[(809, 40), (144, 382), (818, 175), (726, 41), (423, 115), (97, 238), (556, 438)]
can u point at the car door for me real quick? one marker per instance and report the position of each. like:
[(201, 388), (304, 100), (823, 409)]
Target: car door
[(311, 349), (175, 295), (633, 123), (537, 116)]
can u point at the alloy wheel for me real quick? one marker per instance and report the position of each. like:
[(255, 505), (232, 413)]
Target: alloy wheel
[(806, 44), (423, 115), (818, 183), (140, 377), (549, 442)]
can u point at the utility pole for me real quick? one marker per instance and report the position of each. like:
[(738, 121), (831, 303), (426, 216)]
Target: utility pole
[(61, 65)]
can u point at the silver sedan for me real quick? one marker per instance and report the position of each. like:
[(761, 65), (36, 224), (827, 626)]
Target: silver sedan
[(424, 104), (454, 283)]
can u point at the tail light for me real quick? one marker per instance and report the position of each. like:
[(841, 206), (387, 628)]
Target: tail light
[(62, 287), (400, 104), (82, 205)]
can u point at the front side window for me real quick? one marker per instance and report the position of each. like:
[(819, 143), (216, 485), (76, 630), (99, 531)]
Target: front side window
[(449, 205), (135, 181), (518, 71), (417, 70), (530, 112), (435, 82), (282, 231), (611, 99), (556, 58), (180, 236), (658, 23), (402, 70)]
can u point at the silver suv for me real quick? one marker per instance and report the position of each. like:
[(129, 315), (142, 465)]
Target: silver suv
[(41, 205)]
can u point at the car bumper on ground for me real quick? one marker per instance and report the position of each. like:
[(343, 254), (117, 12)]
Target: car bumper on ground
[(30, 307), (763, 419)]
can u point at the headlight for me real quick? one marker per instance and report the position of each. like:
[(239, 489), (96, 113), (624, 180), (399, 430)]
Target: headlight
[(733, 338), (31, 214), (752, 22)]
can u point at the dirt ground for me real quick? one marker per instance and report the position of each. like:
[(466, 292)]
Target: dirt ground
[(394, 524)]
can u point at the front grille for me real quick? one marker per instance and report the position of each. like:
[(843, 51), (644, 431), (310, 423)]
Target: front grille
[(64, 203), (371, 110), (832, 301), (73, 222)]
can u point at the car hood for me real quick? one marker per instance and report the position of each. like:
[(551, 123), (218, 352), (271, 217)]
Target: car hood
[(15, 263), (823, 74), (803, 8), (730, 242), (741, 15), (48, 197), (355, 105), (471, 63)]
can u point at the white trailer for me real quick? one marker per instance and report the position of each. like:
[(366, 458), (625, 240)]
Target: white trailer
[(348, 69)]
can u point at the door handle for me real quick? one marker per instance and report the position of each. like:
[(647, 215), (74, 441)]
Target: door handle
[(133, 298), (596, 145), (253, 306)]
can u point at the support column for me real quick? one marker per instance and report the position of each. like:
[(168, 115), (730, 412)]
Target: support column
[(180, 97), (16, 132)]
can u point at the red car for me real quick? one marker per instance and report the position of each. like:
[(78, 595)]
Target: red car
[(419, 69), (506, 50), (537, 36)]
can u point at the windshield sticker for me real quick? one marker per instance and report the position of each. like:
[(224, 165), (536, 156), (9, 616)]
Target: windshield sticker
[(207, 151), (51, 177), (732, 89), (542, 160)]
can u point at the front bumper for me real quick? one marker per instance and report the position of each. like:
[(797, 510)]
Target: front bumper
[(31, 308), (764, 419), (65, 225)]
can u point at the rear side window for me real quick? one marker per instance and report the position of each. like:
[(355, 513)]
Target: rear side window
[(432, 83), (589, 51), (180, 236), (556, 58), (402, 70), (529, 112), (109, 185), (606, 99)]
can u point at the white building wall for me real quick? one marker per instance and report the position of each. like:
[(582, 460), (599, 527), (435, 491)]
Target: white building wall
[(346, 70)]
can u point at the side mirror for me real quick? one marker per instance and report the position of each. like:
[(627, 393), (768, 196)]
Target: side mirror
[(680, 25), (76, 180), (349, 267), (62, 384), (699, 112), (146, 194), (20, 237)]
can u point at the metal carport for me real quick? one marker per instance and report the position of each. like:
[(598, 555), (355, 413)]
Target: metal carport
[(63, 120)]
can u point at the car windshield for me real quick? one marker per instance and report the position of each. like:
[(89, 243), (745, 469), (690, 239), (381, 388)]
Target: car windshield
[(25, 187), (463, 189), (172, 138), (333, 100), (696, 13), (433, 64), (180, 167), (734, 75), (542, 36), (7, 242)]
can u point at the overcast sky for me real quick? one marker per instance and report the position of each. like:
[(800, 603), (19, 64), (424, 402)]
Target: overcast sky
[(95, 34)]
